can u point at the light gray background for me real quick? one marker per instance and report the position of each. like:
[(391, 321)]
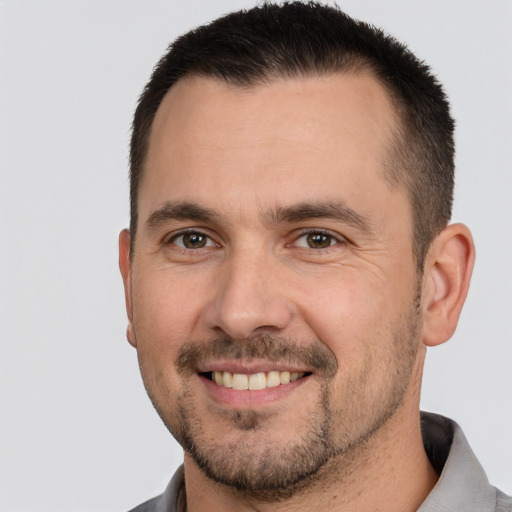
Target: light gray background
[(77, 432)]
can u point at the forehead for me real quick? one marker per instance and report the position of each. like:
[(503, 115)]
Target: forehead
[(288, 139)]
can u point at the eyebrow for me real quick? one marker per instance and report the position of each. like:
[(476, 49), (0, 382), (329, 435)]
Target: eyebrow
[(338, 211), (180, 211)]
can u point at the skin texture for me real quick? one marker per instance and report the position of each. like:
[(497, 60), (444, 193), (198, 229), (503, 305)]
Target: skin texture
[(239, 186)]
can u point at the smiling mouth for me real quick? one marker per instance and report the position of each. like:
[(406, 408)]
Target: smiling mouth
[(253, 381)]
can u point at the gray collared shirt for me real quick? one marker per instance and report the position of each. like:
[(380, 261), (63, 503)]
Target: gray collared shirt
[(462, 486)]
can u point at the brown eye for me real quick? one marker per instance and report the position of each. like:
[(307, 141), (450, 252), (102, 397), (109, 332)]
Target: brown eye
[(319, 240), (192, 240)]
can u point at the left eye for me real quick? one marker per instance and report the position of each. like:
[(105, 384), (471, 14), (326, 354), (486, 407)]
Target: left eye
[(192, 240), (316, 240)]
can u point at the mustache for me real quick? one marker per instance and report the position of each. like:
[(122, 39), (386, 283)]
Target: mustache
[(314, 355)]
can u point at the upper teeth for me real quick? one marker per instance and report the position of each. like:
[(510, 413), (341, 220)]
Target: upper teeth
[(255, 381)]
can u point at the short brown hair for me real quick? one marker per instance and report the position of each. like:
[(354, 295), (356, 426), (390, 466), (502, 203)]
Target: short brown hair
[(297, 39)]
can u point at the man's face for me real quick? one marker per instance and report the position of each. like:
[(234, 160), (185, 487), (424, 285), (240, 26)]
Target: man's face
[(270, 248)]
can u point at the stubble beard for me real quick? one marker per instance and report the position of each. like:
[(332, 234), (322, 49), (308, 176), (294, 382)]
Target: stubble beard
[(251, 462), (261, 468)]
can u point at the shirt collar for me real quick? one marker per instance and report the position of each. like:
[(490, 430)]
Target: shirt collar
[(462, 484)]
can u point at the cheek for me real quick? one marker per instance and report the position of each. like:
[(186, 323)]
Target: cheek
[(163, 315), (354, 316), (340, 309), (160, 327)]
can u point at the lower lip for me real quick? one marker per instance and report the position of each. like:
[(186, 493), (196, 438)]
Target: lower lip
[(247, 398)]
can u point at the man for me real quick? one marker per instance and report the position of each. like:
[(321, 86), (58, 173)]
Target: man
[(289, 260)]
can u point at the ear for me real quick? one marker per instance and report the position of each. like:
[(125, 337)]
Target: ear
[(126, 271), (446, 278)]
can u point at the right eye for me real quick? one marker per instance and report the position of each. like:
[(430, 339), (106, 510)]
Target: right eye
[(192, 240)]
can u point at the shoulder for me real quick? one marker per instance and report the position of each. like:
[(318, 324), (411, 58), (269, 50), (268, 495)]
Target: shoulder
[(147, 506), (503, 502), (168, 501)]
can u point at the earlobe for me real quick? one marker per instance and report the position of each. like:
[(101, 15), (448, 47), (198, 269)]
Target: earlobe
[(446, 279), (130, 335), (125, 268)]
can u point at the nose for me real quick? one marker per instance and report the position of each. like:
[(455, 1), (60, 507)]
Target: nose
[(249, 298)]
